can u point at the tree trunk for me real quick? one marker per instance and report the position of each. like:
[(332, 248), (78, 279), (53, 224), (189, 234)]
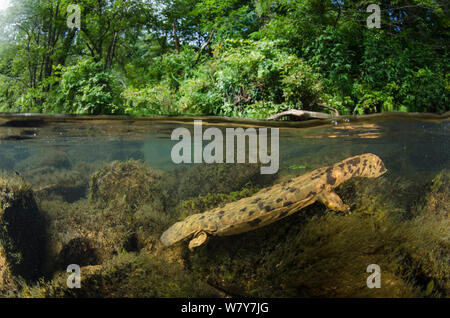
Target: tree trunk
[(175, 37), (112, 48), (211, 35)]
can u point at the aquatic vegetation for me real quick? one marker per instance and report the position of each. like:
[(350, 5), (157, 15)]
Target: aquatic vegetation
[(438, 198), (299, 167), (126, 275), (22, 231), (81, 251), (202, 179), (102, 233), (128, 184)]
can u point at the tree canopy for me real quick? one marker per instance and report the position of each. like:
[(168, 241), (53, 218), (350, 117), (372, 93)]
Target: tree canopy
[(246, 58)]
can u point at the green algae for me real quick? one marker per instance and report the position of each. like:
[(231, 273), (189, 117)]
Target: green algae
[(127, 184), (126, 275)]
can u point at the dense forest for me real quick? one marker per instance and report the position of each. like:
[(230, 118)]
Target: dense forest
[(241, 58)]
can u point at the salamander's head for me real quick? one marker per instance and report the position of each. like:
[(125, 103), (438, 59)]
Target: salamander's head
[(177, 232), (372, 166), (193, 227)]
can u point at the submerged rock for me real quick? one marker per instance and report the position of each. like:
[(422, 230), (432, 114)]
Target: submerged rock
[(71, 185), (81, 251), (129, 184), (46, 158), (22, 232)]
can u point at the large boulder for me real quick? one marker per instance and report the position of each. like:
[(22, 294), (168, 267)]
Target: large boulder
[(129, 184), (22, 232)]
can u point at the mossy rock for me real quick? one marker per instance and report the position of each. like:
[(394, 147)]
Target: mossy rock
[(22, 229), (7, 281), (128, 184), (81, 226), (71, 185)]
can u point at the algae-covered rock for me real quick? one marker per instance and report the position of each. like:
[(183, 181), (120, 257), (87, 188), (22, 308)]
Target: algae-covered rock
[(69, 184), (81, 226), (129, 184), (22, 231), (7, 281)]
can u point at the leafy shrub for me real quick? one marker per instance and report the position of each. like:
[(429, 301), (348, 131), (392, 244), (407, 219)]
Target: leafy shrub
[(171, 69), (86, 88), (159, 99), (426, 91), (332, 54), (398, 74)]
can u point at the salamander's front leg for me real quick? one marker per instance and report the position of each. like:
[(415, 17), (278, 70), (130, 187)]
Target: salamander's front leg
[(332, 201), (199, 239)]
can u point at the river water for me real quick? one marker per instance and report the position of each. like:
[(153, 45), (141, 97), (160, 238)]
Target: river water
[(58, 155)]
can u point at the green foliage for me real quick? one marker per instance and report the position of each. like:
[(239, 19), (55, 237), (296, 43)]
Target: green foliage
[(250, 79), (159, 99), (86, 88), (241, 58)]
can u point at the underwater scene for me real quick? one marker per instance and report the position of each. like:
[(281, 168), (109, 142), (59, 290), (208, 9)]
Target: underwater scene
[(353, 208)]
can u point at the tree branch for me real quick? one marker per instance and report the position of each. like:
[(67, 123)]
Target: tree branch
[(204, 46), (301, 113)]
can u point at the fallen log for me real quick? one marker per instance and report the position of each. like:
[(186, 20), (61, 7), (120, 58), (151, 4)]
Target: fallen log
[(301, 113)]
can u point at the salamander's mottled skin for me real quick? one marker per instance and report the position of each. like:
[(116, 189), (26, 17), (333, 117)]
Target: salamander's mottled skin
[(272, 204)]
